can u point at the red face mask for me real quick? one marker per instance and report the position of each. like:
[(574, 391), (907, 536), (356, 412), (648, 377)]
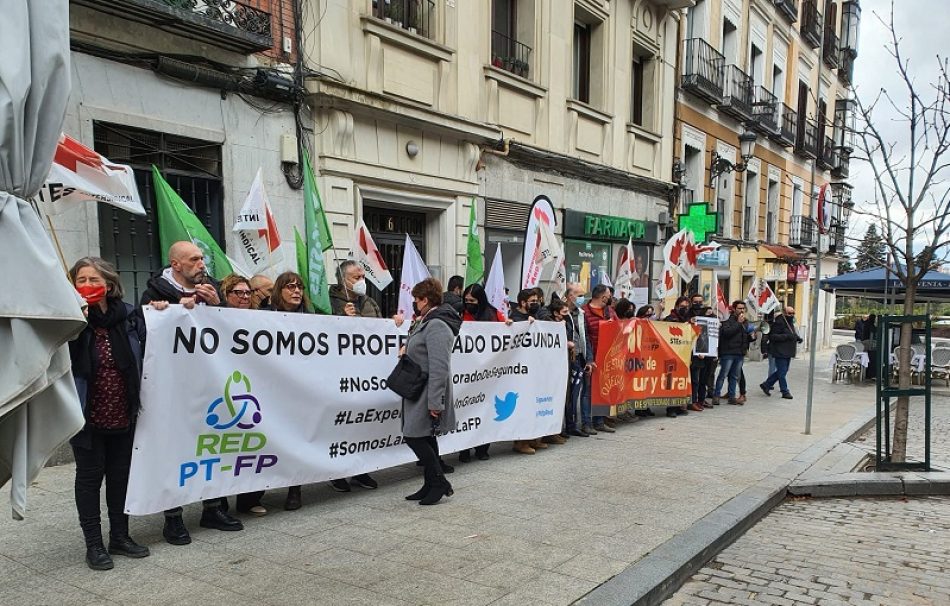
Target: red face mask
[(91, 293)]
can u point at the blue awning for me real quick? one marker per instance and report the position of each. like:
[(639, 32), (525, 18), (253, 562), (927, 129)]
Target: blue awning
[(878, 283)]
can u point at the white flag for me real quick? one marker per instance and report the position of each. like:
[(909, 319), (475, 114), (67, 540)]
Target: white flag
[(559, 279), (544, 253), (626, 271), (256, 231), (80, 175), (495, 285), (761, 297), (365, 253), (414, 270)]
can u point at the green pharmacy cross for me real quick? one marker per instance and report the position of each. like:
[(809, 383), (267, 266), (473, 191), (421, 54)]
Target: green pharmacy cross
[(700, 221)]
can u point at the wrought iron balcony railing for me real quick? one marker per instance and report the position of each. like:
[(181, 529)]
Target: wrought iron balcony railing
[(846, 66), (737, 96), (703, 70), (416, 16), (831, 53), (229, 24), (509, 54), (802, 232), (842, 169), (827, 154), (788, 9), (811, 23), (765, 110), (806, 143), (788, 126)]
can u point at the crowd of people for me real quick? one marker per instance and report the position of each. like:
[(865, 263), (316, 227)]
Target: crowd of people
[(107, 365)]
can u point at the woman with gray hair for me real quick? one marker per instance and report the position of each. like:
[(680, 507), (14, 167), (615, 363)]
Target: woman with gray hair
[(107, 367)]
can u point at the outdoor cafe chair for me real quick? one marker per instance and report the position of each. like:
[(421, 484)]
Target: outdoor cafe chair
[(895, 366), (858, 345), (846, 363), (940, 364)]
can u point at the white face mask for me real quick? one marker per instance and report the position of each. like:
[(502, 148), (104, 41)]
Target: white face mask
[(359, 287)]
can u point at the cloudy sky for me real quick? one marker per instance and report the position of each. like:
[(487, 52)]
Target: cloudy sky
[(924, 29)]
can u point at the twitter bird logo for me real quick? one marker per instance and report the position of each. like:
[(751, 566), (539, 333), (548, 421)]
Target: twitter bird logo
[(505, 408)]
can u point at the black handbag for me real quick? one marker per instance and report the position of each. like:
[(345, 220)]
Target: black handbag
[(407, 379)]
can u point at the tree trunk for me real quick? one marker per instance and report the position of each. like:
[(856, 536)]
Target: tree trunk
[(902, 409)]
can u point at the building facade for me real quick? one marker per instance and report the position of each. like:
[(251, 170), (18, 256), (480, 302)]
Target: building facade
[(422, 106), (780, 70)]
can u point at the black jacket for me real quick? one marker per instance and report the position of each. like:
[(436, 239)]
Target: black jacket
[(454, 301), (517, 315), (159, 289), (783, 339), (447, 314), (733, 338)]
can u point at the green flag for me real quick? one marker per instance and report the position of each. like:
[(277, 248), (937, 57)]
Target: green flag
[(176, 222), (302, 268), (318, 240), (476, 264)]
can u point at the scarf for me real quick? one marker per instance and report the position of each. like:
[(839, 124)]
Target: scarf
[(115, 321)]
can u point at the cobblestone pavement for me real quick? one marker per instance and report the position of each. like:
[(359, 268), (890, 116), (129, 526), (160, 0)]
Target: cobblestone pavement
[(834, 552), (539, 530)]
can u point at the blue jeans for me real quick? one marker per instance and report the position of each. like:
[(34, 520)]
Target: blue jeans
[(771, 365), (781, 369), (730, 365)]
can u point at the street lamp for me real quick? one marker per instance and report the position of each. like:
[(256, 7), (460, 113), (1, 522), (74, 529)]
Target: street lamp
[(720, 165)]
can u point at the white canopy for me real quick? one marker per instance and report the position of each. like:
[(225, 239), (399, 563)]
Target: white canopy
[(39, 309)]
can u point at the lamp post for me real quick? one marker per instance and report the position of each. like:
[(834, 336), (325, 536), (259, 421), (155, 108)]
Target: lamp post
[(720, 165)]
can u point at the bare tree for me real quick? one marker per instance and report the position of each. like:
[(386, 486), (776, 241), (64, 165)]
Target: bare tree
[(912, 197)]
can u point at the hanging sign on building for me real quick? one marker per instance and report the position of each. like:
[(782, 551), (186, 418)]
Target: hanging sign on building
[(590, 226)]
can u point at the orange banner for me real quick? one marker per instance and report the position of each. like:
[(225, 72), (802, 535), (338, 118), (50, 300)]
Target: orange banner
[(641, 363)]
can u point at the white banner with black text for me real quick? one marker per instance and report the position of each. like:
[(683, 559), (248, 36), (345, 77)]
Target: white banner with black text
[(238, 400)]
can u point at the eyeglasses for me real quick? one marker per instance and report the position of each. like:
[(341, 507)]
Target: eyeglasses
[(293, 286), (243, 294)]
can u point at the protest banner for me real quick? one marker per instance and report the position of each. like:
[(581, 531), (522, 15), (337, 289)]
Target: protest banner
[(237, 400), (641, 363), (707, 341)]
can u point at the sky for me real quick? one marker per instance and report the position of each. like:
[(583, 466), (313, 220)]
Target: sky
[(924, 28)]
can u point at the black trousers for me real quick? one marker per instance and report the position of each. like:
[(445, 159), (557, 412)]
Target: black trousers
[(427, 451), (108, 456)]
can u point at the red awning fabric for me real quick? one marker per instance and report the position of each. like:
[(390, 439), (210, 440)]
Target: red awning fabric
[(783, 252)]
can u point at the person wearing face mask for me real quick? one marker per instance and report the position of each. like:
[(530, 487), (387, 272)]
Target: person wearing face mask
[(453, 294), (107, 368), (348, 298), (528, 306), (578, 390), (596, 311), (261, 287), (680, 313)]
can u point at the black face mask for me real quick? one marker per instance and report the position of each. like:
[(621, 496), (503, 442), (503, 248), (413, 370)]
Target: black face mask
[(471, 308), (697, 306), (682, 311), (533, 308), (415, 309)]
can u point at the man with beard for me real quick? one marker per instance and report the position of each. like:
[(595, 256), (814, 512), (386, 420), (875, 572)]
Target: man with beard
[(187, 282)]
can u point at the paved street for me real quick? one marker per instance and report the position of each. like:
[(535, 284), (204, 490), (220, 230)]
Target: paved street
[(542, 529), (834, 552)]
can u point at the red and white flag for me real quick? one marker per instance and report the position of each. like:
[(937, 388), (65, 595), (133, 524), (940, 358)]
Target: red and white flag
[(80, 175), (722, 304), (414, 270), (365, 253), (761, 297), (256, 232), (627, 274)]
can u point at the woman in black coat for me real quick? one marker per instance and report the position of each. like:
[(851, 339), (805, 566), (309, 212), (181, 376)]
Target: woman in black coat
[(107, 367)]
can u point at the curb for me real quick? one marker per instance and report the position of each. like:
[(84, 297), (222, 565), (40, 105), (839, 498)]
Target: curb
[(660, 573), (875, 484)]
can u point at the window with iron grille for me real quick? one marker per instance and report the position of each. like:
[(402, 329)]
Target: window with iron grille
[(191, 166)]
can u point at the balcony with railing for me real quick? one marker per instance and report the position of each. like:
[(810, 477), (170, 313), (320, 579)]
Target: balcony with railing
[(229, 24), (846, 66), (788, 9), (836, 239), (811, 23), (416, 16), (827, 154), (806, 143), (703, 70), (737, 95), (830, 52), (788, 126), (509, 54), (841, 169), (802, 232), (765, 110)]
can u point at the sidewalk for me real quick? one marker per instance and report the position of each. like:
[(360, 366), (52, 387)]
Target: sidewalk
[(542, 529)]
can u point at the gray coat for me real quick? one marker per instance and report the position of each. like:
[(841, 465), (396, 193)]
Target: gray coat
[(430, 346)]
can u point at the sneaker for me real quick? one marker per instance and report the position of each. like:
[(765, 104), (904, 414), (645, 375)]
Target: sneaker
[(366, 481), (219, 520), (127, 547), (707, 404), (340, 485), (766, 390), (605, 428), (787, 396), (175, 532)]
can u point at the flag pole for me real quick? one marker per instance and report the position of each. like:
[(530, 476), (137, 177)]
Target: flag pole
[(52, 230)]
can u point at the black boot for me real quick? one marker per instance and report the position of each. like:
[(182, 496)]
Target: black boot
[(465, 456), (417, 495), (215, 517), (439, 488), (97, 558), (120, 543), (293, 498), (175, 531)]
